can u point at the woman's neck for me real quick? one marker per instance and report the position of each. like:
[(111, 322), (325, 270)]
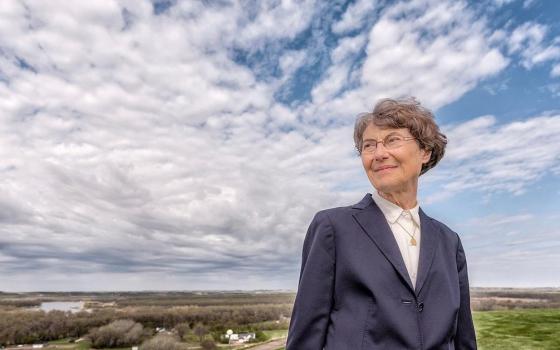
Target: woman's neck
[(405, 200)]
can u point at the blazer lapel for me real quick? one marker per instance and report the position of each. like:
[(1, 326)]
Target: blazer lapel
[(428, 245), (374, 224)]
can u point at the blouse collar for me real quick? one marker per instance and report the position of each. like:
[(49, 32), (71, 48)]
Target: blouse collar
[(392, 212)]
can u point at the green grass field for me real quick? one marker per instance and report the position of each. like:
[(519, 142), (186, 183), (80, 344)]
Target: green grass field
[(277, 333), (528, 329), (518, 329)]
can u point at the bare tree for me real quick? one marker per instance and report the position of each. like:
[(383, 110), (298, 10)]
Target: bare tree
[(200, 330), (119, 333), (161, 342), (182, 329)]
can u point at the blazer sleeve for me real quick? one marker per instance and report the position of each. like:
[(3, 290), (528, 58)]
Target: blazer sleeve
[(314, 299), (465, 338)]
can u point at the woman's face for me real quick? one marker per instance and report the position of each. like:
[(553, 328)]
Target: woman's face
[(396, 169)]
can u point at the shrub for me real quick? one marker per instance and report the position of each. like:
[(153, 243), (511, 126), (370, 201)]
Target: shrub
[(119, 333), (261, 336), (161, 342), (182, 329), (208, 344)]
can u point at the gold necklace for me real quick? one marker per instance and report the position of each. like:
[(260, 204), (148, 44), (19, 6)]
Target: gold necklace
[(412, 239)]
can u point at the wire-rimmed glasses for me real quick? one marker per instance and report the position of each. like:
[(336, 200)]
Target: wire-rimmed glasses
[(390, 142)]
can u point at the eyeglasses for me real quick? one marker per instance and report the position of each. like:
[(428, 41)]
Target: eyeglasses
[(390, 142)]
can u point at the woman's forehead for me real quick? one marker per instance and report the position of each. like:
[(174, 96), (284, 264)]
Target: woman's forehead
[(376, 131)]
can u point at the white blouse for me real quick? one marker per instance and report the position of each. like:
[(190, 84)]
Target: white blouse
[(398, 218)]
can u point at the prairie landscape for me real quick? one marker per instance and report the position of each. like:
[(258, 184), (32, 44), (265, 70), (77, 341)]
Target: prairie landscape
[(188, 145), (504, 319)]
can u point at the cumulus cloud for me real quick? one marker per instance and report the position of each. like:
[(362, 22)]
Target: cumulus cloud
[(416, 48), (529, 41), (136, 143), (270, 19), (422, 48), (338, 76), (145, 145), (355, 16), (485, 156)]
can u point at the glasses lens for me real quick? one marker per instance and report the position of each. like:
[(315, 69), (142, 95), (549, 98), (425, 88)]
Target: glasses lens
[(393, 141), (368, 147)]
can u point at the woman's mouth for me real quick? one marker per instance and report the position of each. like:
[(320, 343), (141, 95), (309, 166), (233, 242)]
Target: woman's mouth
[(384, 168)]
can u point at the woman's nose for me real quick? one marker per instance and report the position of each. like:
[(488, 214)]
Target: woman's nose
[(380, 151)]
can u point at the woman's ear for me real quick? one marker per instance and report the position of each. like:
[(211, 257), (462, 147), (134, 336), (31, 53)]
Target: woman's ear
[(426, 155)]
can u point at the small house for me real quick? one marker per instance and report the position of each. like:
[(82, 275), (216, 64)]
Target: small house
[(239, 338)]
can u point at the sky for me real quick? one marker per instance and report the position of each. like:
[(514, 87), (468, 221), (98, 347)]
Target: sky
[(186, 145)]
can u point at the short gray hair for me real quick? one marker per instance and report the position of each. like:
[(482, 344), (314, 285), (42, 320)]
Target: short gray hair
[(405, 113)]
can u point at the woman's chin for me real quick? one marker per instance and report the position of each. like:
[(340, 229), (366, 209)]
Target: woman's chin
[(384, 186)]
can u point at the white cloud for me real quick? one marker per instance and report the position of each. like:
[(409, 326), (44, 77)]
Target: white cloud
[(529, 41), (418, 48), (348, 48), (148, 149), (137, 146), (291, 61), (528, 3), (555, 72), (495, 88), (489, 158), (502, 250), (275, 20), (528, 34), (355, 15), (338, 75), (426, 55), (502, 2), (552, 88), (498, 221)]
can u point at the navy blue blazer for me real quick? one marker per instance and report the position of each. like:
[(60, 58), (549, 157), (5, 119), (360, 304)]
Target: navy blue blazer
[(355, 292)]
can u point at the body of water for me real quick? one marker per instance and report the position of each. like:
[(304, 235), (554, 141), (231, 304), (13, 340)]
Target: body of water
[(73, 306)]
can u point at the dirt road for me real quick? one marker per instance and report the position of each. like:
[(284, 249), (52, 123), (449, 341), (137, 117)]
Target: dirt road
[(272, 345)]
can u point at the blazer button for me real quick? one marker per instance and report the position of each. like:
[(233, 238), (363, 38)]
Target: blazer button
[(420, 307)]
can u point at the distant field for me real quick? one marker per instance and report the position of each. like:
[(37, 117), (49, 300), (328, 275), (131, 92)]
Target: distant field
[(505, 318)]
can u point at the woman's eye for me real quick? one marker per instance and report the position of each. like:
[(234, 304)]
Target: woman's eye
[(393, 139)]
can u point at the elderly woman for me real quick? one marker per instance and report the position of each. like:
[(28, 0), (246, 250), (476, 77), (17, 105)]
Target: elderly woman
[(381, 274)]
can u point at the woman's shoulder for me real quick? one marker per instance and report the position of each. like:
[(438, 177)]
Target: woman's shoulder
[(342, 212), (445, 230), (440, 225)]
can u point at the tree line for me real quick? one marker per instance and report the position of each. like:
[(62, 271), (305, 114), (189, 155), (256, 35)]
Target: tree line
[(26, 326)]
